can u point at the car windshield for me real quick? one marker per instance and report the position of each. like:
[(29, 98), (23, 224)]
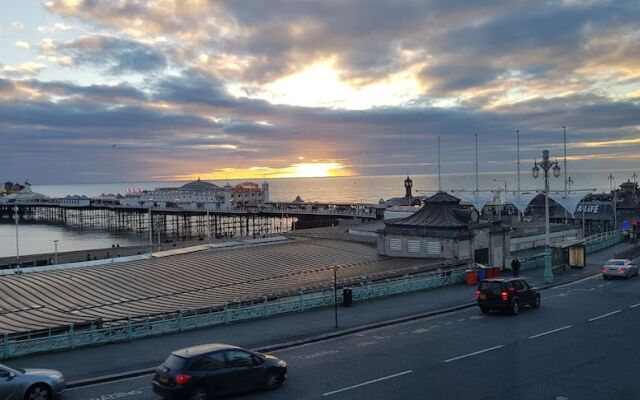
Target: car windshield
[(174, 363), (615, 262)]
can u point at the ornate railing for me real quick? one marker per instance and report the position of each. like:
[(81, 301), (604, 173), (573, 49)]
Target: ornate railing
[(131, 329), (602, 241)]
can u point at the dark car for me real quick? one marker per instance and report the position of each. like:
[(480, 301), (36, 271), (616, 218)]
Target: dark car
[(506, 294), (201, 372)]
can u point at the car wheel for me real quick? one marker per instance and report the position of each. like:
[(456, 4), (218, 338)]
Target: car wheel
[(484, 310), (38, 392), (515, 307), (198, 394), (272, 381), (536, 302)]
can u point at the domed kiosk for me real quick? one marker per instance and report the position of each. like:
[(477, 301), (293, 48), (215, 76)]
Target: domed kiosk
[(443, 228)]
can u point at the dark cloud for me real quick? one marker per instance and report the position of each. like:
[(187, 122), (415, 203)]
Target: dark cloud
[(114, 55)]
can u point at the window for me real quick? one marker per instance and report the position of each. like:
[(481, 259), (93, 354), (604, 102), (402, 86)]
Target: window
[(174, 362), (521, 285), (395, 244), (209, 362), (237, 358), (414, 246)]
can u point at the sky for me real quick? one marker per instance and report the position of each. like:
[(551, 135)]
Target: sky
[(133, 90)]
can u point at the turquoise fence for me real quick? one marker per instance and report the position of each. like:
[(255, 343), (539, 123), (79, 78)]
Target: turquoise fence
[(185, 320), (602, 241)]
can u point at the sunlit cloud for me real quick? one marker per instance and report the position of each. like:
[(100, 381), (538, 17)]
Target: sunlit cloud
[(22, 44), (17, 25), (298, 170), (28, 68), (610, 143)]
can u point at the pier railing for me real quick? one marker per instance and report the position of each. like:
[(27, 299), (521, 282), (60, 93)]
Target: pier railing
[(184, 320)]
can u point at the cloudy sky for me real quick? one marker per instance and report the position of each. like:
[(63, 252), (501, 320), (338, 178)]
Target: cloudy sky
[(105, 90)]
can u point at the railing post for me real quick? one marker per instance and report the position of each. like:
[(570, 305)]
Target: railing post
[(5, 346), (226, 313), (301, 299), (266, 307), (180, 320), (129, 329), (71, 337)]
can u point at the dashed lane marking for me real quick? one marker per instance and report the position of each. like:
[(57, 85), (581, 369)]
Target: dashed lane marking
[(635, 305), (420, 330), (551, 331), (317, 354), (384, 378), (461, 319), (604, 315), (474, 353)]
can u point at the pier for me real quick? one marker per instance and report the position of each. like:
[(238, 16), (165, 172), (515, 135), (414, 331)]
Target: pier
[(196, 221)]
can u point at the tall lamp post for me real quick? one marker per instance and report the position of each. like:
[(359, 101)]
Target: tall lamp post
[(505, 191), (15, 210), (335, 293), (55, 249), (150, 228), (546, 165)]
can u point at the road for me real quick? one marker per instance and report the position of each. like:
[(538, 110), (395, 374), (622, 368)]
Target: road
[(581, 344)]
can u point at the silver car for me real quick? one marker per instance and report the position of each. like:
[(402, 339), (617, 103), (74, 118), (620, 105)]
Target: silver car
[(619, 268), (30, 383)]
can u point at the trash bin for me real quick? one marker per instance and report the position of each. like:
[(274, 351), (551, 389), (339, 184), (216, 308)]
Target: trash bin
[(482, 273), (493, 272), (472, 277), (347, 297)]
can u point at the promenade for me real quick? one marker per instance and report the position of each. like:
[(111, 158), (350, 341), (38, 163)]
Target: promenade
[(287, 330)]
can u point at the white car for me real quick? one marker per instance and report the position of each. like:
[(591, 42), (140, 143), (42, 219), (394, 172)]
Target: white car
[(619, 268)]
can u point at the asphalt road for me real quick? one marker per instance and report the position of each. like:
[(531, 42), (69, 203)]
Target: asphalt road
[(581, 344)]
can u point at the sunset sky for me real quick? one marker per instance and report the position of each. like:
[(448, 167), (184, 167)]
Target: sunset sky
[(131, 90)]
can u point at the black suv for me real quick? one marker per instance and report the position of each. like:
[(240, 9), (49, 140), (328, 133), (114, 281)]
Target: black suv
[(506, 294), (201, 372)]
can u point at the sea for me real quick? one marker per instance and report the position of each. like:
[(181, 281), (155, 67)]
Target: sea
[(39, 238)]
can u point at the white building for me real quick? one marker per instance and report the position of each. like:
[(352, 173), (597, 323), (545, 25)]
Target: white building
[(201, 194)]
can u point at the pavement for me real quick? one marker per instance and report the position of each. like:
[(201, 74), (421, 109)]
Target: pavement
[(107, 362)]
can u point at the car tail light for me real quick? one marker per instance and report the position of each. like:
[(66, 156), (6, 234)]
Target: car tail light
[(621, 269), (477, 294), (603, 270), (181, 379), (505, 296)]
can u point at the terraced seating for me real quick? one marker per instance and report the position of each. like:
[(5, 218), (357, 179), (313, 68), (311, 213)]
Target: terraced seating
[(49, 300)]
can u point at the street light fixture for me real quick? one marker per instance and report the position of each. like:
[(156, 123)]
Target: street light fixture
[(15, 210), (55, 246), (335, 293), (546, 165)]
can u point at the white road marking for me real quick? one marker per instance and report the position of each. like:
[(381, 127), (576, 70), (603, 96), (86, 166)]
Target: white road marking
[(461, 319), (448, 323), (578, 281), (119, 395), (635, 305), (363, 344), (317, 354), (108, 383), (604, 315), (474, 353), (381, 337), (420, 330), (368, 382), (549, 332)]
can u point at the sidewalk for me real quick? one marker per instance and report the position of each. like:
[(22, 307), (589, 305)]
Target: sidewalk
[(120, 358)]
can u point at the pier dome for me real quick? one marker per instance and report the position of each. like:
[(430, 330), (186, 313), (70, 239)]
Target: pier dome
[(198, 186)]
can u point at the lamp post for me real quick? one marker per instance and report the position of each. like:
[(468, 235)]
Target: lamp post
[(335, 293), (150, 228), (505, 191), (55, 251), (546, 165), (614, 199), (15, 210)]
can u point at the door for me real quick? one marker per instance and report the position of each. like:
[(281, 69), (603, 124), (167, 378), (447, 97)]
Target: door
[(210, 371), (9, 386), (524, 292), (243, 372), (482, 256)]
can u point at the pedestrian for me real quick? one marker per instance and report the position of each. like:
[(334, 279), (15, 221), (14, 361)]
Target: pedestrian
[(515, 267), (88, 257)]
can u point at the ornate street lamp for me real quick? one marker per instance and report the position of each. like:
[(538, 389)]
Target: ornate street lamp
[(546, 165)]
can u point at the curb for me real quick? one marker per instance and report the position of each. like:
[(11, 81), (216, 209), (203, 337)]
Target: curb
[(312, 339)]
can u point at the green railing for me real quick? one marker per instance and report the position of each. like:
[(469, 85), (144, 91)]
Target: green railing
[(184, 320), (602, 241)]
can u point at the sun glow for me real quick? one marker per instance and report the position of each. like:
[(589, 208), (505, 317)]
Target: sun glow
[(297, 170)]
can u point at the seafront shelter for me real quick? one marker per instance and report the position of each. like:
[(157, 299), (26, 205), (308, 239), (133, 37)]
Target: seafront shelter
[(443, 228)]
